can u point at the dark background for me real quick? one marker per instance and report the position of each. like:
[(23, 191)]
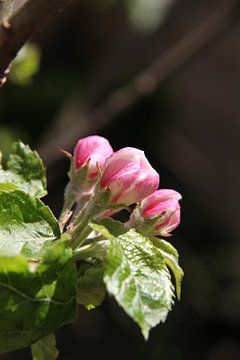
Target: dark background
[(188, 123)]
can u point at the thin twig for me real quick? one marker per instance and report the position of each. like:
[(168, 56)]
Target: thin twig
[(28, 19), (144, 83)]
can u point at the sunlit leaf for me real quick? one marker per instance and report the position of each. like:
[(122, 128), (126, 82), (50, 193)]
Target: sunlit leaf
[(36, 298), (137, 276), (25, 169)]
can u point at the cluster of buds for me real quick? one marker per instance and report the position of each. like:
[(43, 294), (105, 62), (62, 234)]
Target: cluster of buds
[(116, 180)]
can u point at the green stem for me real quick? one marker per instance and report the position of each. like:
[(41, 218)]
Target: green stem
[(80, 235), (69, 200), (69, 197), (73, 195), (96, 250), (92, 240), (81, 227), (81, 231)]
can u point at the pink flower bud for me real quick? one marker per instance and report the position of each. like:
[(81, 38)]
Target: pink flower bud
[(129, 176), (163, 207), (92, 152)]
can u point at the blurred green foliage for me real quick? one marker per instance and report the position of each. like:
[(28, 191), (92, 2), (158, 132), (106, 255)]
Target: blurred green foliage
[(144, 16), (7, 137), (147, 16), (26, 65)]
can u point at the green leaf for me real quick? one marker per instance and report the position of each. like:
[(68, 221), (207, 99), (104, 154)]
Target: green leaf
[(25, 169), (109, 228), (136, 275), (90, 286), (25, 223), (36, 297), (171, 257), (45, 349), (8, 186)]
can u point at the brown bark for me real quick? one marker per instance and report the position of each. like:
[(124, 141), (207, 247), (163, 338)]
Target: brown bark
[(16, 29)]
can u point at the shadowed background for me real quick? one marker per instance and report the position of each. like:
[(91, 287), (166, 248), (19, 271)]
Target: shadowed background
[(184, 111)]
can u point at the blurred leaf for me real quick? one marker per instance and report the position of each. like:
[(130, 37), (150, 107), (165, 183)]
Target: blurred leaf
[(26, 65), (7, 137), (90, 286), (147, 15), (45, 349)]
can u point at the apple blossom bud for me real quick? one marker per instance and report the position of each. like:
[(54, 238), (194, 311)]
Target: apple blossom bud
[(89, 157), (91, 152), (129, 177), (162, 207)]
